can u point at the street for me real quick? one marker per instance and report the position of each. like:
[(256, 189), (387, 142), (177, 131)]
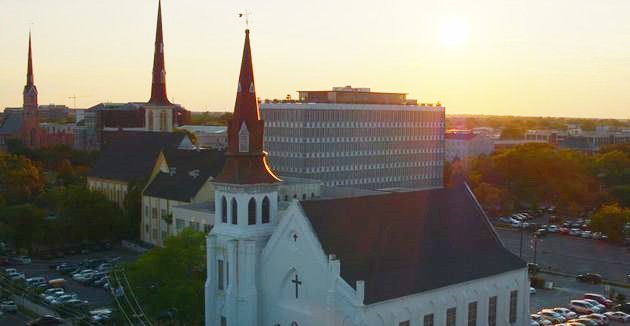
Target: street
[(571, 255)]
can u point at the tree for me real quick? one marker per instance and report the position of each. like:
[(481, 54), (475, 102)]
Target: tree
[(20, 178), (172, 277), (611, 219), (89, 216), (133, 209), (22, 225)]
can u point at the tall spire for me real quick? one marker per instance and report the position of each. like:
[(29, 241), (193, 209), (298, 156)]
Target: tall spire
[(246, 161), (158, 87), (30, 80), (246, 107), (30, 91)]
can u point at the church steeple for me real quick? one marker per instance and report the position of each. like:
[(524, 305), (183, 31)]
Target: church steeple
[(30, 91), (158, 87), (246, 160), (30, 81)]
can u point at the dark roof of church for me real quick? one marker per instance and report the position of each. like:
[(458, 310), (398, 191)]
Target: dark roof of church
[(12, 123), (131, 155), (406, 243), (182, 185)]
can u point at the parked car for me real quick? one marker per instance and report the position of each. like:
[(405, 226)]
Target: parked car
[(581, 307), (49, 299), (540, 232), (552, 316), (618, 316), (532, 291), (57, 283), (587, 234), (76, 303), (601, 320), (8, 306), (49, 292), (566, 313), (584, 321), (553, 229), (65, 268), (599, 298), (564, 230), (575, 232), (16, 276), (20, 260), (63, 299), (540, 320), (623, 307), (600, 307), (47, 320), (35, 280), (590, 278)]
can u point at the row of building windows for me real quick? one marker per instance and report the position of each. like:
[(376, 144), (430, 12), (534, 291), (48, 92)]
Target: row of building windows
[(451, 313), (359, 153), (352, 139), (364, 181), (372, 166), (354, 124), (251, 211)]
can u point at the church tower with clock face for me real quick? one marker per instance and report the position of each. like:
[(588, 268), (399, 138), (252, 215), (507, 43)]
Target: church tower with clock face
[(246, 206)]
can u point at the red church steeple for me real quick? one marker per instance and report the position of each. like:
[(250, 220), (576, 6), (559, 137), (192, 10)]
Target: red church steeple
[(158, 87), (30, 91), (246, 161)]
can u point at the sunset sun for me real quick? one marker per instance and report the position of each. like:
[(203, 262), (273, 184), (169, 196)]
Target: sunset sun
[(453, 32)]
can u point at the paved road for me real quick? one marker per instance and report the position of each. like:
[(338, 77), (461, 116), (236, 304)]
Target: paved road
[(571, 255), (13, 319)]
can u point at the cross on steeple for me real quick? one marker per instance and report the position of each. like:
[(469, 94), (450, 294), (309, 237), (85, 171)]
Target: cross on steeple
[(297, 283), (246, 14)]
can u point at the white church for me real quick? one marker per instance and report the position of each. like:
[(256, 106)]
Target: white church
[(418, 258)]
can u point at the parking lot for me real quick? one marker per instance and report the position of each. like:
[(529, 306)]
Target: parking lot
[(566, 289), (96, 296), (572, 255)]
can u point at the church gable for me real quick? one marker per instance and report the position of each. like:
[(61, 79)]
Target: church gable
[(297, 277)]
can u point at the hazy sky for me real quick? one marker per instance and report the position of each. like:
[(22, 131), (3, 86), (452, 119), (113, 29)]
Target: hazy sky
[(537, 57)]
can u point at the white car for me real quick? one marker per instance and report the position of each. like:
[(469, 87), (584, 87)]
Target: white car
[(552, 316), (553, 229), (540, 320), (587, 234), (599, 318), (16, 276), (581, 306), (566, 313), (8, 306), (49, 292), (618, 316), (599, 307), (54, 296), (63, 299), (532, 290)]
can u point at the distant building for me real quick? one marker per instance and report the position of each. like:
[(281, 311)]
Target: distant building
[(129, 157), (356, 138), (208, 136), (86, 132), (53, 112), (58, 133), (550, 136), (462, 144), (507, 143), (591, 142), (23, 124)]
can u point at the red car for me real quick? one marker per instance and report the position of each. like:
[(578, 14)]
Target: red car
[(599, 298)]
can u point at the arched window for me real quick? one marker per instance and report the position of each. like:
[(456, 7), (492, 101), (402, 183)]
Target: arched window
[(234, 211), (224, 210), (286, 198), (303, 196), (251, 212), (265, 210)]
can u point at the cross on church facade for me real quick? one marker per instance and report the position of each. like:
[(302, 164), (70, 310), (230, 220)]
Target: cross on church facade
[(295, 237), (297, 283)]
